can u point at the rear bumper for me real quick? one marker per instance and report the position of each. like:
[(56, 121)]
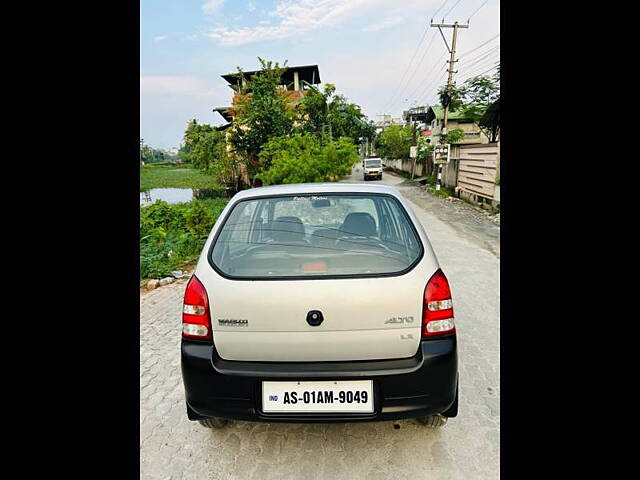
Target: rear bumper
[(424, 384)]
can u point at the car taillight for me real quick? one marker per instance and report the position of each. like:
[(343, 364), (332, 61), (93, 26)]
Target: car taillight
[(437, 312), (196, 321)]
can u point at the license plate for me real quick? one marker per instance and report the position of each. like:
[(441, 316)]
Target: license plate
[(318, 397)]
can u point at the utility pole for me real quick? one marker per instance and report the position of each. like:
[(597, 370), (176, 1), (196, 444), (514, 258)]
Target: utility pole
[(413, 166), (451, 61)]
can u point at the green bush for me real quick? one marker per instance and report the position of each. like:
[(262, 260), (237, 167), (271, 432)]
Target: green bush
[(172, 236), (454, 136), (198, 220), (303, 158)]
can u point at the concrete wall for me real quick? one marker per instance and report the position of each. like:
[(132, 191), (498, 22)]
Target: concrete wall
[(449, 171)]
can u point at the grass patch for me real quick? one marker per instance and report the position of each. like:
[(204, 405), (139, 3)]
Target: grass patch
[(172, 236), (168, 176), (444, 192), (430, 180)]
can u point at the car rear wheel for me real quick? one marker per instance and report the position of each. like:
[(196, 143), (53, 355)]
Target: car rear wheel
[(214, 422), (433, 421)]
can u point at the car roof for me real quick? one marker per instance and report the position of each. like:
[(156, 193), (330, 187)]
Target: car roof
[(316, 188)]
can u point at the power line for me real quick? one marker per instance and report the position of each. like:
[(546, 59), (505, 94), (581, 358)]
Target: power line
[(482, 64), (480, 58), (483, 54), (485, 2), (430, 82), (421, 59), (476, 61), (487, 61), (454, 6), (408, 67), (392, 98), (436, 80), (433, 86), (479, 46), (439, 8), (487, 71), (428, 76), (497, 64), (414, 71)]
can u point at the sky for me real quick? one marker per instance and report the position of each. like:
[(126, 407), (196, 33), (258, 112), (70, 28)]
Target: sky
[(380, 54)]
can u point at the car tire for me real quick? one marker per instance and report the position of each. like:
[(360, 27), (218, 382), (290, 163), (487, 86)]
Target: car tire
[(214, 422), (433, 421)]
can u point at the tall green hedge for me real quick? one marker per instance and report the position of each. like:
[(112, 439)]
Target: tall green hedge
[(303, 158)]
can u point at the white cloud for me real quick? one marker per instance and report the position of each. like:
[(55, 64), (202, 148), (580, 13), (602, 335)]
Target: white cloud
[(387, 23), (210, 7), (251, 7), (175, 85), (159, 38), (296, 17)]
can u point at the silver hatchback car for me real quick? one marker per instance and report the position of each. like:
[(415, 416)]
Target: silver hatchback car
[(319, 303)]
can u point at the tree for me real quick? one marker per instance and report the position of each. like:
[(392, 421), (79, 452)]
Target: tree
[(208, 147), (347, 120), (329, 115), (314, 114), (490, 121), (479, 93), (454, 98), (202, 145), (473, 97), (262, 112), (395, 142)]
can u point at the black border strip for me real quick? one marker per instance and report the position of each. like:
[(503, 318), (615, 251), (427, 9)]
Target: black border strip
[(318, 277)]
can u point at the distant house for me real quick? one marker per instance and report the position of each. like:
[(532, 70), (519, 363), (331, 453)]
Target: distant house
[(434, 119), (296, 80), (386, 121)]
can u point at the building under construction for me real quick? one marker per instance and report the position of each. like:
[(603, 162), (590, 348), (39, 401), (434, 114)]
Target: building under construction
[(296, 80)]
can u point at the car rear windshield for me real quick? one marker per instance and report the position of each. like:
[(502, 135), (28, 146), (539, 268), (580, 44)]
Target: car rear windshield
[(316, 236), (373, 163)]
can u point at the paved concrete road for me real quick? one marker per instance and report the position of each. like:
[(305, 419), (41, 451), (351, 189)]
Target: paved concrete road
[(466, 448)]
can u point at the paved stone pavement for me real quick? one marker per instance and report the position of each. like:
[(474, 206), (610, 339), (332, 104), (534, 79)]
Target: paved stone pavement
[(466, 448)]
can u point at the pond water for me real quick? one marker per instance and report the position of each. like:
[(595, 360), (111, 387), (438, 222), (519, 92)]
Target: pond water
[(169, 195)]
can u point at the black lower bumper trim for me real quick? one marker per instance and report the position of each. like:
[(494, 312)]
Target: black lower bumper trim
[(424, 384)]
